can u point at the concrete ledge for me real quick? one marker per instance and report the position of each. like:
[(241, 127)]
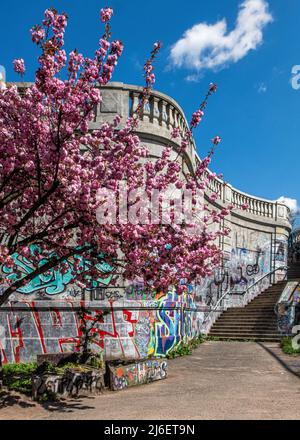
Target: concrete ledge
[(124, 375), (72, 383)]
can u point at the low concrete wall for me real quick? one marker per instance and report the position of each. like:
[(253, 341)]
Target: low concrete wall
[(133, 329), (137, 373)]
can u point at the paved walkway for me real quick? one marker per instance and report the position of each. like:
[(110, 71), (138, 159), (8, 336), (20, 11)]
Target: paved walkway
[(221, 380)]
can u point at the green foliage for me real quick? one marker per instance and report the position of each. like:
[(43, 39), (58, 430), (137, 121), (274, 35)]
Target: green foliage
[(186, 349), (46, 368), (48, 396), (17, 377), (16, 369), (212, 338), (287, 348)]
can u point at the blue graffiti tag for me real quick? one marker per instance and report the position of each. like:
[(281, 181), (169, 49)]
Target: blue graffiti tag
[(53, 281)]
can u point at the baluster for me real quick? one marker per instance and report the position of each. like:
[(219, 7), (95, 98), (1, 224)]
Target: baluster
[(147, 111), (155, 111), (163, 116), (135, 102), (176, 122), (171, 116)]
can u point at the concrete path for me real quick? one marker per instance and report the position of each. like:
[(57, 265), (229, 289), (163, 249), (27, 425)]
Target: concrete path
[(221, 380)]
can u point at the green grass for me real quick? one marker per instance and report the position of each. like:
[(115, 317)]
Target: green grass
[(17, 377), (287, 348), (186, 349)]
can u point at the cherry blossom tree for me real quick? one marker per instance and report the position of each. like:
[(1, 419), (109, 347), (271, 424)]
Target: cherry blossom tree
[(53, 168)]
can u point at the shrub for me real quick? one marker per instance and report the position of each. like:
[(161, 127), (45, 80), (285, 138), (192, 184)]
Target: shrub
[(287, 347)]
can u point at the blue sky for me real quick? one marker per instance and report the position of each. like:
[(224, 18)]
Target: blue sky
[(256, 110)]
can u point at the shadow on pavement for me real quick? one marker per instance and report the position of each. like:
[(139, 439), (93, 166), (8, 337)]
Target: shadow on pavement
[(281, 361), (10, 399), (66, 406)]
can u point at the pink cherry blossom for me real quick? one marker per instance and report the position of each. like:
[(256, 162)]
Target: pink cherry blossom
[(212, 88), (19, 66), (197, 117), (216, 140), (106, 14)]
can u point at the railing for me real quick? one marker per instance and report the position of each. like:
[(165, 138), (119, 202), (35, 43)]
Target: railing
[(285, 308), (161, 111), (247, 297), (269, 274)]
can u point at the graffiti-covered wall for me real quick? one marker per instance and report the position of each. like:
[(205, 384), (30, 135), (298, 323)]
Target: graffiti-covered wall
[(132, 329)]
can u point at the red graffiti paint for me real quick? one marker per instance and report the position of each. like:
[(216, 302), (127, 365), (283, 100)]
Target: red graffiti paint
[(128, 317), (38, 325), (3, 354), (16, 336), (56, 318)]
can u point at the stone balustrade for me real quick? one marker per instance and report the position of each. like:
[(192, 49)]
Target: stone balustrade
[(159, 117)]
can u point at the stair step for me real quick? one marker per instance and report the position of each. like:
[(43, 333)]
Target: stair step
[(264, 312), (241, 338), (258, 306), (246, 321), (248, 328), (241, 333), (266, 302)]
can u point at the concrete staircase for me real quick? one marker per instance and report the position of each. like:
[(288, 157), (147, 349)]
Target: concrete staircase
[(256, 321), (293, 272)]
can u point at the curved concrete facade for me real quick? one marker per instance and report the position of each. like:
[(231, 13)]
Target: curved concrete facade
[(139, 325), (263, 226)]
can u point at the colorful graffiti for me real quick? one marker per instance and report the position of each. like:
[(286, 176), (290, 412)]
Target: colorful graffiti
[(70, 384), (53, 282), (281, 248), (250, 259), (132, 329), (124, 376), (286, 307)]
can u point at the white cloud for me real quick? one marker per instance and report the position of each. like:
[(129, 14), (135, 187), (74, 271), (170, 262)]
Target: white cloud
[(262, 88), (194, 77), (212, 46), (291, 203)]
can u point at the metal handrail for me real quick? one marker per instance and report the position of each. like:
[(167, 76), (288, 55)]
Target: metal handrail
[(229, 291), (285, 268)]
